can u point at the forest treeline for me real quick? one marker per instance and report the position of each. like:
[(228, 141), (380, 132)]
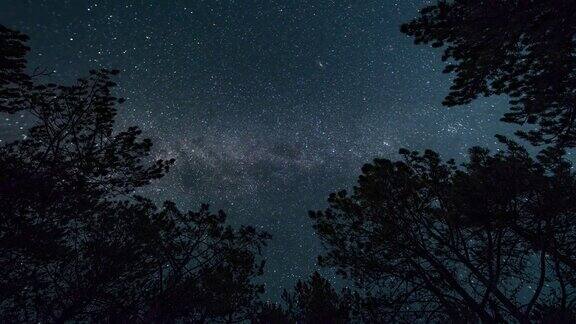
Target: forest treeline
[(418, 239)]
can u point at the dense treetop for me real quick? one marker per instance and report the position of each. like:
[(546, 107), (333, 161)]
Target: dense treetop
[(424, 239), (521, 48), (77, 243)]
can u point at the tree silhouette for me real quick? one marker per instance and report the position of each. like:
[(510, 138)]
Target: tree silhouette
[(13, 78), (316, 301), (523, 49), (426, 240), (77, 243), (270, 312), (312, 301)]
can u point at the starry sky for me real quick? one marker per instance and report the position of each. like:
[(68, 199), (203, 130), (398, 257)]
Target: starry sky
[(267, 106)]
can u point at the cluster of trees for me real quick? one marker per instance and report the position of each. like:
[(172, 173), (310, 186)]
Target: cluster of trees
[(76, 243), (492, 241), (419, 239)]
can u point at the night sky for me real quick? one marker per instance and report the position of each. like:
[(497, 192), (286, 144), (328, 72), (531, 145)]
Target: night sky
[(267, 106)]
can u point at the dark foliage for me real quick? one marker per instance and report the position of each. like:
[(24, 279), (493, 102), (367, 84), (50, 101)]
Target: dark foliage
[(316, 301), (272, 313), (77, 243), (425, 240), (521, 48), (312, 301), (13, 79)]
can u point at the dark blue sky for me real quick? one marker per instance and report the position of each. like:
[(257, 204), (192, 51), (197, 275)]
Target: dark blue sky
[(268, 106)]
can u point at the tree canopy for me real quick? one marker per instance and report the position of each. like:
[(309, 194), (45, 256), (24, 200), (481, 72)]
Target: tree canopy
[(490, 241), (311, 301), (493, 239), (77, 243), (520, 48)]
